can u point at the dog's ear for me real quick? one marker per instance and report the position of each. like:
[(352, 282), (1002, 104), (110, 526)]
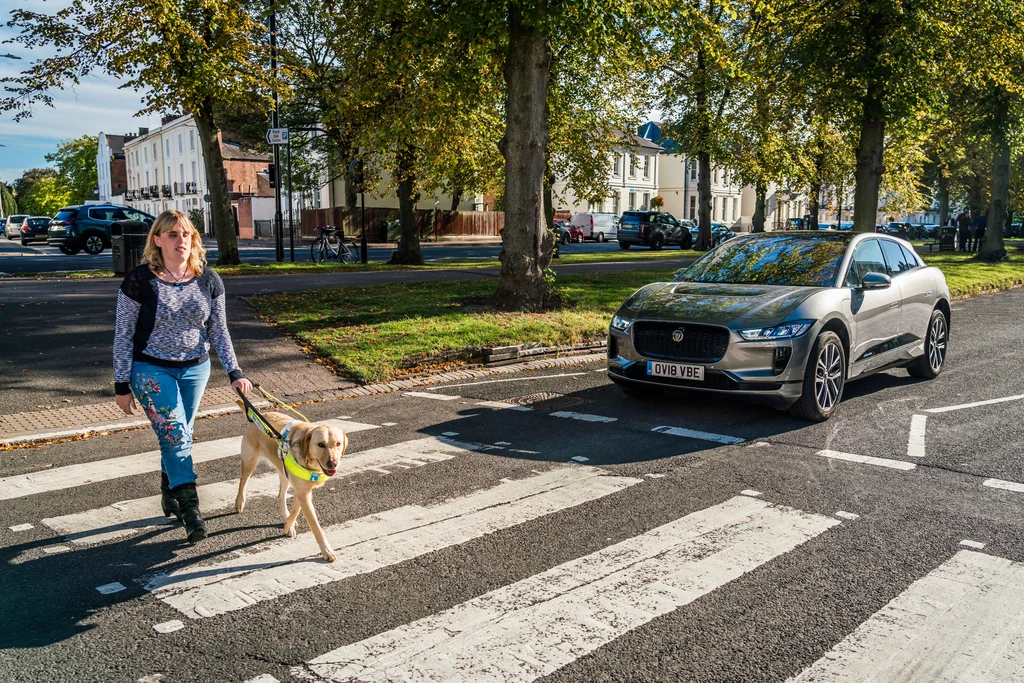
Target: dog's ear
[(344, 442), (304, 442)]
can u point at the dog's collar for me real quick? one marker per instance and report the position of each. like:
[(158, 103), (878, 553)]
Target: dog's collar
[(291, 464), (300, 472)]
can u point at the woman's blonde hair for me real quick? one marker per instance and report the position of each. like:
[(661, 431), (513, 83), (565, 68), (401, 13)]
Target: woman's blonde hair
[(169, 220)]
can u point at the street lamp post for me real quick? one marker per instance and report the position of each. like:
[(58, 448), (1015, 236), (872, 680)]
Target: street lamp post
[(278, 236), (355, 174), (291, 217)]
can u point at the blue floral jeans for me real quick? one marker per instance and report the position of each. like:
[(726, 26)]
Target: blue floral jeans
[(170, 398)]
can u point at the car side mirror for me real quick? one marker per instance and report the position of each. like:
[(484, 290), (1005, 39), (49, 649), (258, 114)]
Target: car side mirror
[(875, 281)]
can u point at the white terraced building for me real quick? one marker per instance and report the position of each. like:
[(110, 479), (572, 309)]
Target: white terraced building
[(165, 167)]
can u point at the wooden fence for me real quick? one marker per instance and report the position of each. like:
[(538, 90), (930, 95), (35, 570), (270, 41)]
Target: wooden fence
[(485, 223)]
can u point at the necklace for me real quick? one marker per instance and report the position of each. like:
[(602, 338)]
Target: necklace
[(177, 280)]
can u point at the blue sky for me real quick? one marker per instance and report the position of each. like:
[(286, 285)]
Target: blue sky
[(95, 105)]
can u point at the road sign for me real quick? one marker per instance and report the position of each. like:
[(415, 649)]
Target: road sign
[(277, 136)]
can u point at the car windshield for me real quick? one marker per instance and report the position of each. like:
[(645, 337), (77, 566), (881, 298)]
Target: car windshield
[(794, 260)]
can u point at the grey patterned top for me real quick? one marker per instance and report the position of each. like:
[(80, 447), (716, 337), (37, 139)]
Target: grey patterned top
[(170, 324)]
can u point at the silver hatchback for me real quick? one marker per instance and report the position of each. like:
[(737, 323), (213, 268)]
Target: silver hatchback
[(785, 318)]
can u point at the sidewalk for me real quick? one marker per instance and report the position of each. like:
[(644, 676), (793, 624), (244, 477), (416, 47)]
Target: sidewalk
[(426, 243)]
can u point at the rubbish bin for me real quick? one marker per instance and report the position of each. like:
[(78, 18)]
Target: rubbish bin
[(127, 242), (947, 239)]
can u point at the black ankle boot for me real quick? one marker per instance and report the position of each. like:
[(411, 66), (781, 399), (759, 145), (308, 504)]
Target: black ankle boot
[(167, 502), (188, 501)]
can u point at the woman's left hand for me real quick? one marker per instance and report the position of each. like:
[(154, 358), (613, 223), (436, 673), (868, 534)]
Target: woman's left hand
[(242, 385)]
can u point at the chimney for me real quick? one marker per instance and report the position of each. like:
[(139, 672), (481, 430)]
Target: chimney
[(167, 119), (143, 131)]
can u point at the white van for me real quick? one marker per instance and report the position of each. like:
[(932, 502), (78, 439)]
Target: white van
[(597, 226)]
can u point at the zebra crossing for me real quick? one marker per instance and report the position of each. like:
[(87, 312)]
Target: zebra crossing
[(959, 621)]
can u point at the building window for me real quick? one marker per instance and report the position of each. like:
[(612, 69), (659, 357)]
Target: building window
[(714, 208), (735, 208), (632, 201), (693, 207), (191, 140), (154, 152), (167, 146), (167, 178), (180, 149), (647, 201), (147, 178), (145, 154), (647, 166), (193, 171), (693, 170), (181, 174), (615, 204), (632, 166), (714, 176), (616, 164)]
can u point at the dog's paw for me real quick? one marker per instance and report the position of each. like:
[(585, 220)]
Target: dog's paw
[(289, 531), (239, 504), (329, 554)]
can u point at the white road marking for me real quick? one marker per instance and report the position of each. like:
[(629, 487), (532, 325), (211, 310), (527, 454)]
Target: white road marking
[(703, 436), (993, 401), (56, 549), (449, 433), (750, 492), (915, 447), (580, 458), (71, 476), (961, 622), (1004, 485), (500, 405), (537, 625), (513, 379), (655, 476), (388, 424), (169, 626), (436, 397), (847, 515), (131, 516), (21, 527), (502, 443), (583, 416), (379, 540), (108, 588), (868, 460), (263, 678), (972, 544)]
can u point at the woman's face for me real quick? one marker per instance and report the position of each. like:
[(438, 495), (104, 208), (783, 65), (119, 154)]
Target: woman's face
[(175, 244)]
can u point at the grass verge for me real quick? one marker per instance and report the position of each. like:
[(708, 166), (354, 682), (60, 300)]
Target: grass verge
[(378, 333)]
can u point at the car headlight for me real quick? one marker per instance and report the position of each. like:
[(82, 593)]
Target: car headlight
[(784, 331), (621, 324)]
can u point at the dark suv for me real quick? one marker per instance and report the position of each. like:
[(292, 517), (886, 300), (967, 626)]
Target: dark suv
[(654, 229), (87, 227)]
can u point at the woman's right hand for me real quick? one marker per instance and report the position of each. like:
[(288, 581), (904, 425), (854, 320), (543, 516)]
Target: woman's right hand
[(126, 402)]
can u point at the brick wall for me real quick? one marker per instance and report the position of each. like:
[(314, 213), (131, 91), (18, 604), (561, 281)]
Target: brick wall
[(242, 176), (245, 230)]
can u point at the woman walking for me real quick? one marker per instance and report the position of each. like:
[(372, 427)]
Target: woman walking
[(170, 311)]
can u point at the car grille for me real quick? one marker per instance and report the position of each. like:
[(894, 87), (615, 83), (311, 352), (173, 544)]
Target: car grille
[(700, 343)]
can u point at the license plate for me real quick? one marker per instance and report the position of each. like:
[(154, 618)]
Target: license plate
[(675, 370)]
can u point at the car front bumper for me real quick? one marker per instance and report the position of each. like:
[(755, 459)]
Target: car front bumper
[(749, 371)]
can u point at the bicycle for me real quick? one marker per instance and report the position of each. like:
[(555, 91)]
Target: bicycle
[(343, 248)]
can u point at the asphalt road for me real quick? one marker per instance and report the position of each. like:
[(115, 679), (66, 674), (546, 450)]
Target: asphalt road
[(36, 257), (594, 537)]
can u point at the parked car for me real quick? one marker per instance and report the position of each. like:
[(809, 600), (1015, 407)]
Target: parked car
[(845, 225), (719, 233), (12, 229), (786, 319), (34, 229), (901, 230), (654, 229), (930, 230), (566, 232), (597, 226), (87, 227)]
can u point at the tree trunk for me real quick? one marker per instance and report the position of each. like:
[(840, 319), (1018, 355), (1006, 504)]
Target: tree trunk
[(703, 242), (221, 218), (992, 248), (526, 244), (869, 161), (943, 198), (408, 251), (814, 205), (760, 195)]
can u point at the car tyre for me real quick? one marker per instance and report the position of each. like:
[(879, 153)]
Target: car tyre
[(93, 245), (579, 239), (824, 380), (564, 239), (657, 243), (930, 364), (624, 245), (68, 251), (24, 243), (600, 237)]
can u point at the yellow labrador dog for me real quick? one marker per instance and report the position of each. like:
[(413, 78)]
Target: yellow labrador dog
[(313, 457)]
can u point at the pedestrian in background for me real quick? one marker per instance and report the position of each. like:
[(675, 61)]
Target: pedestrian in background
[(979, 230), (170, 311), (963, 230)]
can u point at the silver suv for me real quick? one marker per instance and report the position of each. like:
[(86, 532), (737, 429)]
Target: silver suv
[(785, 318)]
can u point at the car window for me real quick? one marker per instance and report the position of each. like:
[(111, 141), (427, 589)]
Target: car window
[(866, 259), (800, 261), (911, 257), (895, 259), (66, 215), (630, 219), (137, 216)]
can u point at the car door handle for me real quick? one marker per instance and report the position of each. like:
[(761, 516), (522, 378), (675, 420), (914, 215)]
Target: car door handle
[(894, 304)]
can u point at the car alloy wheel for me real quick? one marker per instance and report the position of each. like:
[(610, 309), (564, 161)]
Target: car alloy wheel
[(937, 343), (828, 377), (93, 244)]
